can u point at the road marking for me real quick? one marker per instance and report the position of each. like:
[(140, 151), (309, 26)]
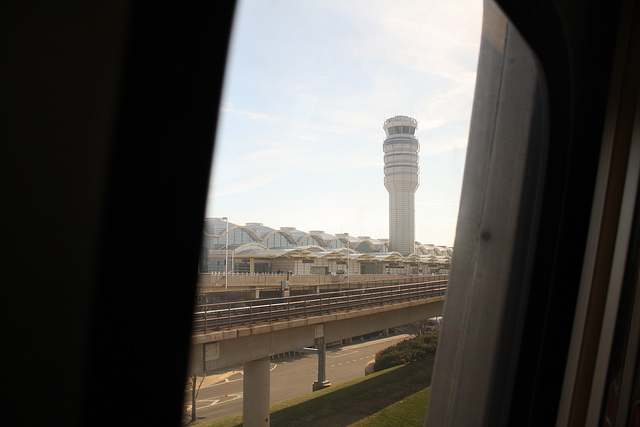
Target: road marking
[(220, 383), (227, 380), (211, 403), (341, 353), (232, 397)]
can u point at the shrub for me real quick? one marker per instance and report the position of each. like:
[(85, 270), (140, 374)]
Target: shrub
[(407, 351)]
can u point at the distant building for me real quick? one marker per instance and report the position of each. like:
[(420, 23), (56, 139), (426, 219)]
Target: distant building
[(256, 248), (401, 178)]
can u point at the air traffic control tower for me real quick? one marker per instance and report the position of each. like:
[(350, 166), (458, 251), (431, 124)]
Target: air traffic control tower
[(401, 179)]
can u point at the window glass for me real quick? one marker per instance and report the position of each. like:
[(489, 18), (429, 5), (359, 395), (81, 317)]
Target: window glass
[(310, 152)]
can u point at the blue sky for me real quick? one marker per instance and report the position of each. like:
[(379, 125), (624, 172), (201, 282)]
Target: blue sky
[(307, 88)]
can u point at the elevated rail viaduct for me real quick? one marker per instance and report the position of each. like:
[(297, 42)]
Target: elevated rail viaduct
[(250, 332)]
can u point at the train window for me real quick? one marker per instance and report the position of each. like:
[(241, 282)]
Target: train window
[(310, 84), (310, 89)]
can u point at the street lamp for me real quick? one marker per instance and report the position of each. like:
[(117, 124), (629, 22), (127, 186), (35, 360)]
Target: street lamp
[(226, 252), (347, 237)]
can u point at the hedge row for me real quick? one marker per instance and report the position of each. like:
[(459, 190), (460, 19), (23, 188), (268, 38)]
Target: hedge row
[(407, 351)]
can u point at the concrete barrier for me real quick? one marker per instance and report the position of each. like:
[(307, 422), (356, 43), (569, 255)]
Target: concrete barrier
[(216, 282)]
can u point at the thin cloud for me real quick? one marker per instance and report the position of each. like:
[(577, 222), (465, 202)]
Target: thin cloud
[(443, 146), (246, 185), (252, 114), (307, 98)]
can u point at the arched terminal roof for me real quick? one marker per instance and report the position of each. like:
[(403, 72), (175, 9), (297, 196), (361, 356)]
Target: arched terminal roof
[(288, 238), (296, 235), (260, 229), (328, 238), (216, 226), (249, 247)]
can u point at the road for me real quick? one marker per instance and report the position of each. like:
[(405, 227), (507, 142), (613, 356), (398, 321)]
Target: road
[(221, 394)]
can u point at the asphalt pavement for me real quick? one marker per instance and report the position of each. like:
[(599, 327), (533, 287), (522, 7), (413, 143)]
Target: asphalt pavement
[(220, 394)]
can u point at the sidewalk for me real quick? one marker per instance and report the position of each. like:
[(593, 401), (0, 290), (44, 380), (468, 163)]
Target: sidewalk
[(213, 379)]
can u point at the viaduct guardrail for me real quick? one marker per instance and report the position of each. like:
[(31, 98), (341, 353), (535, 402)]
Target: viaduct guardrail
[(226, 316), (216, 283)]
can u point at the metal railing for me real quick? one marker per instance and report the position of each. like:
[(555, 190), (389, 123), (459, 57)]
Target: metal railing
[(225, 316), (353, 274)]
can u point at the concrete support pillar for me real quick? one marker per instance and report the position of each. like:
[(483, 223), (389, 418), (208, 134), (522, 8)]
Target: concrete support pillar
[(256, 399), (284, 285), (385, 333), (256, 293), (322, 366)]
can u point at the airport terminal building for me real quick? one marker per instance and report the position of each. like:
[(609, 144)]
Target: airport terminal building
[(254, 248)]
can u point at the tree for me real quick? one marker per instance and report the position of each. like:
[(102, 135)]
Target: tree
[(421, 327), (194, 386)]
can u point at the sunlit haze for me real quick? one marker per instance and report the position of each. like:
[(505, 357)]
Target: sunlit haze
[(308, 86)]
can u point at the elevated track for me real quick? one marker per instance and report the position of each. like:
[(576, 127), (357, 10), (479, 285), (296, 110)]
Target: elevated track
[(210, 318)]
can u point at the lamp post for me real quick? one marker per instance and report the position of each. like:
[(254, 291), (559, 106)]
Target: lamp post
[(226, 252), (347, 236)]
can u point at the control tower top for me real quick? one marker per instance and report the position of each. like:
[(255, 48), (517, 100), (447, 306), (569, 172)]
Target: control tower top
[(400, 125)]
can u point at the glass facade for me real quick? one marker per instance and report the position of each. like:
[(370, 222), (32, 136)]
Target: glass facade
[(277, 240), (258, 238), (336, 244), (241, 235), (310, 240), (399, 130)]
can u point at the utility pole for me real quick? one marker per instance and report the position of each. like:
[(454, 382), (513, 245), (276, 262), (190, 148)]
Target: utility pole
[(193, 397), (347, 260), (226, 252)]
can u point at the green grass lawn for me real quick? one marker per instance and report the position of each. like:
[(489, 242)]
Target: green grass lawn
[(407, 413), (348, 403)]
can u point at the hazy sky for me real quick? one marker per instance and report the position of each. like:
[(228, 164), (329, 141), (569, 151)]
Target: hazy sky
[(307, 89)]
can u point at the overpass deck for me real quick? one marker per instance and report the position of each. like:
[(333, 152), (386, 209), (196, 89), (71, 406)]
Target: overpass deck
[(247, 314), (249, 332)]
